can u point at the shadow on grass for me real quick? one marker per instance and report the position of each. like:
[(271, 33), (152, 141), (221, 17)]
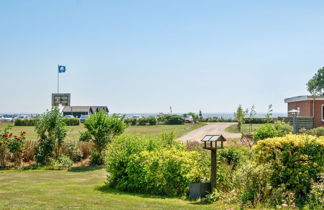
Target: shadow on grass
[(85, 168), (109, 190)]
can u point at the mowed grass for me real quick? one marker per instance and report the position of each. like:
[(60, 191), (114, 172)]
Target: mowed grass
[(73, 132), (78, 189), (246, 128)]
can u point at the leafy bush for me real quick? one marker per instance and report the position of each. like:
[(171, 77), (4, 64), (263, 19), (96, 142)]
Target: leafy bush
[(15, 146), (163, 172), (315, 131), (231, 157), (253, 184), (174, 120), (101, 130), (51, 132), (142, 121), (62, 162), (212, 197), (151, 120), (119, 155), (283, 128), (296, 161), (85, 136), (266, 131), (131, 121), (316, 197), (44, 151), (11, 145), (72, 151), (153, 165)]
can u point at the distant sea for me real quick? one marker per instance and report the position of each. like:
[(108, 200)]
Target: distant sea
[(130, 115), (205, 115)]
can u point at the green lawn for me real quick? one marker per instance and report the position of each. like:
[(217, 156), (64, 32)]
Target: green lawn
[(79, 189), (74, 131), (245, 128)]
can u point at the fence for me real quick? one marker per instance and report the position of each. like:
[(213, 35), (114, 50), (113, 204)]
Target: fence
[(302, 122)]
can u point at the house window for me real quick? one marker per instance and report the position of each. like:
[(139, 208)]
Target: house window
[(322, 110)]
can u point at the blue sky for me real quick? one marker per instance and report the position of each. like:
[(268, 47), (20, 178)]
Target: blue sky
[(145, 56)]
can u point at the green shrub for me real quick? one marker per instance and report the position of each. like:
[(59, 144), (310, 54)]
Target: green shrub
[(316, 197), (142, 121), (131, 121), (174, 120), (316, 131), (51, 130), (163, 172), (296, 161), (72, 151), (119, 152), (253, 184), (85, 136), (212, 197), (153, 165), (65, 161), (231, 157), (151, 120), (44, 151), (62, 162), (283, 128), (266, 131), (101, 130)]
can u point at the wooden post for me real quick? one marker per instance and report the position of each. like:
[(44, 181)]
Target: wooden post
[(213, 169)]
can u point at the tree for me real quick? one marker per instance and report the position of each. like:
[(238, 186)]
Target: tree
[(51, 130), (316, 84), (268, 116), (239, 116), (101, 130), (200, 115), (252, 113)]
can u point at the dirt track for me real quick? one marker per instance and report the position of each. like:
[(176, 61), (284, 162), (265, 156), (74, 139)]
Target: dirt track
[(210, 128)]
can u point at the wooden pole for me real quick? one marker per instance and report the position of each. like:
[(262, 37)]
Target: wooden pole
[(213, 169)]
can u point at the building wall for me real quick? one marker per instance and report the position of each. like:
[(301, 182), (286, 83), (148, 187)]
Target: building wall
[(306, 110)]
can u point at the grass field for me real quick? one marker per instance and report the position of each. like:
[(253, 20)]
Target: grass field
[(74, 131), (79, 188), (245, 128)]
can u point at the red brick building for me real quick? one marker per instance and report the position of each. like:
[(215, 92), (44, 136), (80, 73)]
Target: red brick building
[(308, 106)]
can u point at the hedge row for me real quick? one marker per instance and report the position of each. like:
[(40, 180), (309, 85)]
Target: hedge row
[(141, 121), (33, 122)]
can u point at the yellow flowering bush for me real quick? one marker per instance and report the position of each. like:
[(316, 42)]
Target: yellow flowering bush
[(296, 161), (164, 172)]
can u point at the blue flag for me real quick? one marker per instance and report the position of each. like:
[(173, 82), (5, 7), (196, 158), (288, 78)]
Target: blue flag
[(61, 69)]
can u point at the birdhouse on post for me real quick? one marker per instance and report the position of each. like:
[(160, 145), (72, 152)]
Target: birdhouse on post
[(213, 143)]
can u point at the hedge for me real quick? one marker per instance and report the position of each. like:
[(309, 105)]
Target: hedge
[(33, 122), (141, 121), (296, 161), (158, 166)]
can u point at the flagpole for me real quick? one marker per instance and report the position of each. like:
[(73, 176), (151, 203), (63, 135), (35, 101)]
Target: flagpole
[(58, 80)]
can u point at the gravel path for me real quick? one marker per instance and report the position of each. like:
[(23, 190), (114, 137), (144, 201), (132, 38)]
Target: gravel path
[(210, 128)]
